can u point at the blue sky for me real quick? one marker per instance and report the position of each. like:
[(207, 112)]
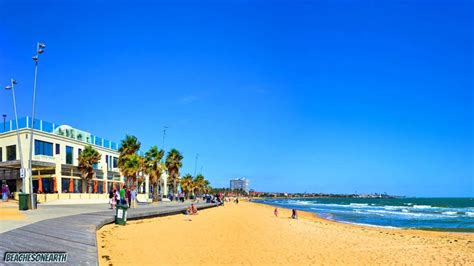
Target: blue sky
[(317, 96)]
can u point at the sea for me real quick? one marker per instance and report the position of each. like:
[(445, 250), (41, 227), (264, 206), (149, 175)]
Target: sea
[(441, 214)]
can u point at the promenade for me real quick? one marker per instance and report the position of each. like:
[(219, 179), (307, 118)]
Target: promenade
[(72, 228)]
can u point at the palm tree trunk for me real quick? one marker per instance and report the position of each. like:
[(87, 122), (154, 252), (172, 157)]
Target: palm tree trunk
[(155, 192)]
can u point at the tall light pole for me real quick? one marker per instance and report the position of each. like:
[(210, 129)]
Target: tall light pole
[(162, 189), (39, 50), (22, 169), (195, 164), (164, 135)]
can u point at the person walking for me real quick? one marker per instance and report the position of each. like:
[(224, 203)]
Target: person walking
[(122, 195), (294, 214), (111, 198), (134, 197), (115, 198), (4, 192), (128, 197)]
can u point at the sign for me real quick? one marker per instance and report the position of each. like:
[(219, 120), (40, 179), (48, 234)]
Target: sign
[(22, 172)]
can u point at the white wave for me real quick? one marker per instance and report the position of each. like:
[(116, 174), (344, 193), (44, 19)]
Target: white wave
[(359, 204), (393, 207), (471, 214), (405, 210), (370, 225), (450, 213), (403, 213), (422, 206)]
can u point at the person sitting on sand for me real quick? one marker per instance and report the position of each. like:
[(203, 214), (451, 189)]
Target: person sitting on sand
[(275, 212), (294, 214), (194, 210)]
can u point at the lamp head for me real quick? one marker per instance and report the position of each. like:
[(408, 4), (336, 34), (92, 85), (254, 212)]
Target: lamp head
[(14, 82), (8, 87), (41, 45), (40, 51), (35, 58)]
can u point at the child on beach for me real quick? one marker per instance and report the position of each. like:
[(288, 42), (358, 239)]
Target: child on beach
[(275, 212)]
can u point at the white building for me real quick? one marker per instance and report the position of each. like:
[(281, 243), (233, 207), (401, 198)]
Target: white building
[(56, 149), (240, 184)]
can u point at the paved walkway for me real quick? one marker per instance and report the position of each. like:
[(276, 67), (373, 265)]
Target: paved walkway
[(76, 233)]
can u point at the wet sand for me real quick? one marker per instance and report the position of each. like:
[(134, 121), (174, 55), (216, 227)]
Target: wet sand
[(250, 234)]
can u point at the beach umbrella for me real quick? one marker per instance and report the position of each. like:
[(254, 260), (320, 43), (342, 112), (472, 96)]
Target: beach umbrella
[(55, 186), (71, 186), (104, 186), (95, 186), (40, 185)]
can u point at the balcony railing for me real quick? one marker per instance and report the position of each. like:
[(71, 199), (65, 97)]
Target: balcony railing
[(52, 128)]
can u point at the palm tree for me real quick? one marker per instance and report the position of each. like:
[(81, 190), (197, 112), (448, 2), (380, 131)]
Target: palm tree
[(207, 186), (199, 184), (154, 168), (187, 184), (173, 163), (132, 165), (87, 159), (129, 162)]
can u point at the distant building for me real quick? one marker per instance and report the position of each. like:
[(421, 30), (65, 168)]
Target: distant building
[(239, 184)]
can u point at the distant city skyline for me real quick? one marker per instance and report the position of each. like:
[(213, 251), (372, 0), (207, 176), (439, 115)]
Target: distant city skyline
[(330, 97)]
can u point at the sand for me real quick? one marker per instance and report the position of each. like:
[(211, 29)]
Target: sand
[(249, 234), (9, 211)]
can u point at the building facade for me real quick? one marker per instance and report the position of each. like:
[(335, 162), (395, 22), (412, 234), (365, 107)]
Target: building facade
[(55, 171), (240, 184)]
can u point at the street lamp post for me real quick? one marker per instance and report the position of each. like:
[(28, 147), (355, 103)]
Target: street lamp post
[(22, 169), (195, 164), (39, 50), (164, 135)]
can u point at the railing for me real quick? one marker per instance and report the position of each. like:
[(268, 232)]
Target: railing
[(48, 127)]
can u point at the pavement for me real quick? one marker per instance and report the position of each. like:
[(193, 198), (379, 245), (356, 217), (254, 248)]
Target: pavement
[(60, 209)]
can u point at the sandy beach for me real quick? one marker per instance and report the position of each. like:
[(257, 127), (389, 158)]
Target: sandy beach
[(249, 234)]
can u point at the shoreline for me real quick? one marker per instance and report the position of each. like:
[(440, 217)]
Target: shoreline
[(316, 217), (447, 230), (247, 233)]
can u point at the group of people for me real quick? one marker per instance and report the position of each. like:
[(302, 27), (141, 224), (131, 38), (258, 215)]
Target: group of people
[(294, 214), (125, 196), (217, 198), (178, 196), (5, 192)]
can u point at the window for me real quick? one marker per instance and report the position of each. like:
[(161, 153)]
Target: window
[(11, 153), (58, 148), (1, 154), (69, 154), (43, 148), (79, 151), (115, 162)]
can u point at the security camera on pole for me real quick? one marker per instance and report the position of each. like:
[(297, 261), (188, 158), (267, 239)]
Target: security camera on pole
[(39, 50)]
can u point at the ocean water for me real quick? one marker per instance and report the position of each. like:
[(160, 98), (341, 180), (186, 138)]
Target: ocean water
[(446, 214)]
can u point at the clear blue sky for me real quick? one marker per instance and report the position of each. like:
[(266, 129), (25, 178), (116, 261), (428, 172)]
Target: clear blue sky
[(295, 95)]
